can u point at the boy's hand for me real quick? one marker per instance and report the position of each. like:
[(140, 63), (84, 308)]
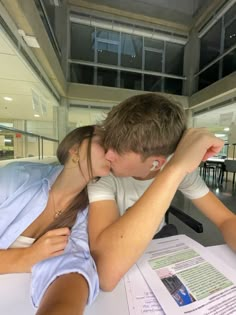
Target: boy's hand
[(196, 145)]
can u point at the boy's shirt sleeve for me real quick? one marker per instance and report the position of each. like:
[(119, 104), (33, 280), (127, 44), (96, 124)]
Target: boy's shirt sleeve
[(103, 189), (193, 186)]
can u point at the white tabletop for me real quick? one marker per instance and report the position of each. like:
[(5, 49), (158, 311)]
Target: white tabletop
[(15, 292), (215, 160)]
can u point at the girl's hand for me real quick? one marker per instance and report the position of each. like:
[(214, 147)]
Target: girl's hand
[(51, 244)]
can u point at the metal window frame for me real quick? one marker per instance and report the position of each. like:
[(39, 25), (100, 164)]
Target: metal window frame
[(94, 64)]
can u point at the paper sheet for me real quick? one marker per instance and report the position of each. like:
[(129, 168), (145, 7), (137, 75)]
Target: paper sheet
[(141, 300), (187, 279)]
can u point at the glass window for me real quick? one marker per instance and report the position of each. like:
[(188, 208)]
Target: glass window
[(131, 51), (106, 77), (130, 80), (50, 15), (154, 43), (210, 45), (107, 53), (230, 15), (82, 42), (174, 59), (50, 11), (107, 34), (153, 61), (152, 83), (81, 74), (230, 35), (209, 76), (107, 46), (173, 86), (229, 63)]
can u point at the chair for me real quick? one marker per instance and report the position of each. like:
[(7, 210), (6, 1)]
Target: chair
[(170, 229), (230, 166), (208, 169), (185, 218)]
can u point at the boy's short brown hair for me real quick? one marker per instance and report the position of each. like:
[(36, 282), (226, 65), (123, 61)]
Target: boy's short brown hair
[(148, 124)]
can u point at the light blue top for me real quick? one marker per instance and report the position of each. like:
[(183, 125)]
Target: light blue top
[(23, 197)]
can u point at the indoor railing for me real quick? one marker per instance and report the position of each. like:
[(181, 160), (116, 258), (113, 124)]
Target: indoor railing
[(19, 144)]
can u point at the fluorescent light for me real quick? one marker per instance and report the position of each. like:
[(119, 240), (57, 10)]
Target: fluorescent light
[(219, 135), (7, 140), (227, 129), (36, 115), (7, 98)]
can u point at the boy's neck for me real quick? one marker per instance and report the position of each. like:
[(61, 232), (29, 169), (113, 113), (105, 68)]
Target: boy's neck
[(149, 176)]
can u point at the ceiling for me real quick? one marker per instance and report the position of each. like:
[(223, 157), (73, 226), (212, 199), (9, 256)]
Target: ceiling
[(178, 15), (18, 80), (217, 119)]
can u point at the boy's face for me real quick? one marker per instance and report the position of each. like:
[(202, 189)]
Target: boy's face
[(129, 164)]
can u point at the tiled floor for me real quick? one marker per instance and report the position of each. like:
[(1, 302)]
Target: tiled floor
[(210, 235)]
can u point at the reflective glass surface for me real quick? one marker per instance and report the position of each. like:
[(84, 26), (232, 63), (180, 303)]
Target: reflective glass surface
[(131, 51)]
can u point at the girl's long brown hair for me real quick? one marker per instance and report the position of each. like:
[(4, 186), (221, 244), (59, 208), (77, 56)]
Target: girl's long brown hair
[(80, 201)]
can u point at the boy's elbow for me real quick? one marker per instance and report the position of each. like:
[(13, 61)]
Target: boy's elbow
[(109, 275), (108, 282)]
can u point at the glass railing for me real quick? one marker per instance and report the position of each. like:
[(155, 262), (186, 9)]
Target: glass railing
[(19, 144)]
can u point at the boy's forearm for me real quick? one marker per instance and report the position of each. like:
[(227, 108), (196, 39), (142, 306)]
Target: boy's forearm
[(228, 229), (119, 246)]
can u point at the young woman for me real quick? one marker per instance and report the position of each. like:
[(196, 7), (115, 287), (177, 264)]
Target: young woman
[(39, 206)]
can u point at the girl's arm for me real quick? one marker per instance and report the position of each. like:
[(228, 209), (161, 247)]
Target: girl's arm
[(68, 294), (50, 244)]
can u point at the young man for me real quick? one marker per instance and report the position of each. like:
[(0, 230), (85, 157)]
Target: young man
[(140, 134)]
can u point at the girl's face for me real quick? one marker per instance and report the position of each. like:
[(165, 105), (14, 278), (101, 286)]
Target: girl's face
[(100, 166)]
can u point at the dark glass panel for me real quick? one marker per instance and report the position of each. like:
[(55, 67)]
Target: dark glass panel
[(82, 42), (210, 45), (130, 80), (230, 35), (131, 51), (229, 63), (106, 77), (173, 86), (153, 61), (152, 83), (81, 74), (174, 59), (107, 34), (107, 53), (209, 76), (153, 43)]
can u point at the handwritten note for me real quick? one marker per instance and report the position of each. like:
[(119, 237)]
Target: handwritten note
[(140, 298)]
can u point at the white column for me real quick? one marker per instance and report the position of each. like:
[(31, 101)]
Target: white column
[(62, 119)]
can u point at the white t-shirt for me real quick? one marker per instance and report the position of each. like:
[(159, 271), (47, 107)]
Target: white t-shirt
[(127, 190)]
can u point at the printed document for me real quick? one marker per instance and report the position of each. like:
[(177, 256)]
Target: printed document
[(187, 279), (140, 298)]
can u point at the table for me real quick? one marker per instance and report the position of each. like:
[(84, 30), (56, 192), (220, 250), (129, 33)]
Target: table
[(15, 292), (215, 160)]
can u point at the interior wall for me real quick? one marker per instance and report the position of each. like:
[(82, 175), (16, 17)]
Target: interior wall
[(106, 96)]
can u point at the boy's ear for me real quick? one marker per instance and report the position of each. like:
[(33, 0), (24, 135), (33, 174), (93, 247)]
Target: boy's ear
[(158, 162), (162, 160)]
